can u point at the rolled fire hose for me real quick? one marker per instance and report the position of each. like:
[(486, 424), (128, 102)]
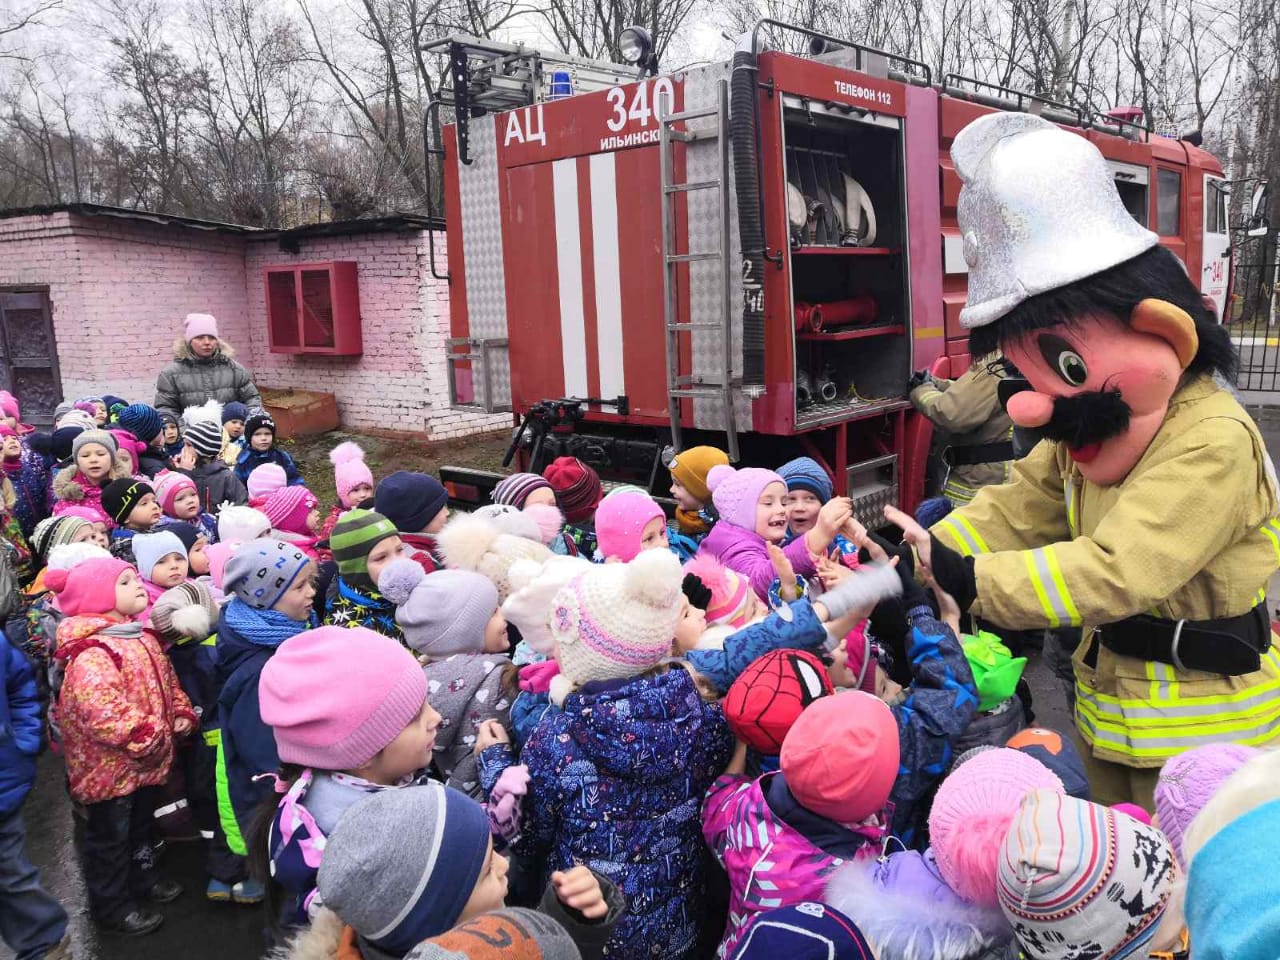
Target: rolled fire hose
[(838, 313)]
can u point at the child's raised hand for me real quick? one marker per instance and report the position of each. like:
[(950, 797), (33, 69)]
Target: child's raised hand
[(578, 888), (831, 572), (490, 732), (788, 588), (835, 513), (186, 460)]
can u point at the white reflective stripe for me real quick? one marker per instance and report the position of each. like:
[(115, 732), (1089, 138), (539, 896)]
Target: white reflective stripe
[(1049, 591), (169, 808), (968, 546), (1069, 492), (573, 327), (608, 273)]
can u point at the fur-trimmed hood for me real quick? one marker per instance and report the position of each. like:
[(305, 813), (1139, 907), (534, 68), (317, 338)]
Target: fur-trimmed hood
[(904, 908), (319, 941), (66, 486), (182, 352)]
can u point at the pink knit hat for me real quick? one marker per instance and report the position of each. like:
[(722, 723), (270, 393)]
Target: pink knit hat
[(971, 814), (288, 507), (168, 485), (349, 470), (218, 554), (336, 696), (199, 325), (730, 593), (265, 479), (1189, 780), (841, 757), (88, 588), (9, 405), (736, 492), (620, 521)]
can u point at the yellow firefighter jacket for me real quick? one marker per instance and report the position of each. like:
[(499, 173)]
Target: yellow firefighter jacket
[(1190, 533), (969, 410)]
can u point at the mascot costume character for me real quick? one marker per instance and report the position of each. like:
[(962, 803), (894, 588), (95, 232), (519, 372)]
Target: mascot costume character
[(1147, 513)]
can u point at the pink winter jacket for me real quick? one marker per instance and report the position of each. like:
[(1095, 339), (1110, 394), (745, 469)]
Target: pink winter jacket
[(768, 862), (744, 551)]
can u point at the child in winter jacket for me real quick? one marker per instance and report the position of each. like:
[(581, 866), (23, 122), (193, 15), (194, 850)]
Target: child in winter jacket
[(452, 621), (120, 710), (132, 506), (694, 512), (616, 776), (418, 505), (26, 471), (532, 494), (627, 522), (234, 441), (578, 492), (294, 513), (179, 500), (363, 543), (162, 563), (353, 482), (404, 868), (215, 483), (349, 714), (183, 618), (271, 587), (144, 425), (172, 443), (95, 462), (753, 513), (34, 922), (260, 430)]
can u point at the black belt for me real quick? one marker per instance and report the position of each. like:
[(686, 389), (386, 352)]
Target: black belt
[(1231, 646), (978, 453)]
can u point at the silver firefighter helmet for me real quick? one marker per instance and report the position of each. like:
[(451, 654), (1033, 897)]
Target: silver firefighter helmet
[(1038, 210)]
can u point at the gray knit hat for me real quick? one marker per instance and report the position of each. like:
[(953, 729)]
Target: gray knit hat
[(205, 437), (100, 437), (522, 934), (441, 614), (185, 612), (400, 865), (260, 571)]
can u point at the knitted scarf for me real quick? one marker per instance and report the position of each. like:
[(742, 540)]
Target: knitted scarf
[(264, 628)]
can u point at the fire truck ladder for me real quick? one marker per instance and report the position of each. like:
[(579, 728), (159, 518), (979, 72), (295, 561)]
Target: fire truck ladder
[(680, 386)]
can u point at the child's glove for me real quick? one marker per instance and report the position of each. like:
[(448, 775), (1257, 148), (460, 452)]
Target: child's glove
[(954, 573), (863, 590), (536, 677), (505, 802)]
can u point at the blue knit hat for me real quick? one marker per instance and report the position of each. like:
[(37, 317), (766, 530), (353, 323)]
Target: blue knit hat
[(142, 421), (805, 473), (235, 411), (410, 500), (805, 931)]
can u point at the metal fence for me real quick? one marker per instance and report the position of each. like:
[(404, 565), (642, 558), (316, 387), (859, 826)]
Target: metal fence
[(1254, 323)]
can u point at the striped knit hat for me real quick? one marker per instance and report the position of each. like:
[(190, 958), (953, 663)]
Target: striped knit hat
[(185, 612), (1081, 880), (577, 487), (55, 532), (805, 473), (142, 421), (205, 437), (265, 480), (167, 487), (288, 508), (514, 490), (355, 534)]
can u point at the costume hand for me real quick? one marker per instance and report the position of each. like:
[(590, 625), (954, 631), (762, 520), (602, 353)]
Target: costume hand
[(787, 586), (578, 888), (919, 378), (490, 732), (950, 569)]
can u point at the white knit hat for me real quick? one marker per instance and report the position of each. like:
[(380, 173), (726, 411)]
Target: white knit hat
[(469, 542), (617, 620), (533, 590)]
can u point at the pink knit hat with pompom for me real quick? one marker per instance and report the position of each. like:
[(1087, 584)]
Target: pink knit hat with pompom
[(971, 814), (349, 470), (737, 492), (168, 485), (264, 480), (731, 593), (287, 509)]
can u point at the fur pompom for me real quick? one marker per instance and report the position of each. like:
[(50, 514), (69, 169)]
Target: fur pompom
[(465, 540), (210, 411), (718, 475), (710, 571), (654, 578), (511, 521), (345, 452), (242, 523), (398, 580), (193, 622), (561, 687), (549, 519)]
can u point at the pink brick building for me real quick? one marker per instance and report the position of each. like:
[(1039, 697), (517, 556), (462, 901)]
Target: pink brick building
[(91, 300)]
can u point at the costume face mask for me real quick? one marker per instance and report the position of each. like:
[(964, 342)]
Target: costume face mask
[(1102, 387)]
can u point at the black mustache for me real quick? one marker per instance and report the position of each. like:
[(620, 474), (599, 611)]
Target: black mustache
[(1087, 418)]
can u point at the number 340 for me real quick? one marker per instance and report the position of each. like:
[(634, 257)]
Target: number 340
[(664, 95)]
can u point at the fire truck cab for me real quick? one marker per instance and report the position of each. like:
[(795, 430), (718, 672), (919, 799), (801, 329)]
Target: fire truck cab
[(754, 254)]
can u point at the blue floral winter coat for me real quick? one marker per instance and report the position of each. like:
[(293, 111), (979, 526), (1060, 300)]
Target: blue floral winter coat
[(616, 783), (33, 500)]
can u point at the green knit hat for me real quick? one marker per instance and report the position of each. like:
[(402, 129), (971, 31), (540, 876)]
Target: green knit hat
[(355, 534)]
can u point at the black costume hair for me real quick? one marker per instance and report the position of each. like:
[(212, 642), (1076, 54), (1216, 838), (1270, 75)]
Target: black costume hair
[(1155, 274)]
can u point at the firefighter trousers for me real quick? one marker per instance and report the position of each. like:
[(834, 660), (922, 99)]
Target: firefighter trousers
[(1112, 783)]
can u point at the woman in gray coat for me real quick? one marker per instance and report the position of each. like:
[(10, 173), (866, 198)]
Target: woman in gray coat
[(203, 369)]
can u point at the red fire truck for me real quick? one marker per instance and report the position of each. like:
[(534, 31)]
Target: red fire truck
[(754, 253)]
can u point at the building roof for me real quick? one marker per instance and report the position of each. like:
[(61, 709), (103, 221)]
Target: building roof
[(390, 223)]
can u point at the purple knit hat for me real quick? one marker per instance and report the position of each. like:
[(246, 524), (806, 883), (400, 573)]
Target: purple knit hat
[(382, 690), (736, 492), (514, 490), (971, 814), (1189, 780)]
